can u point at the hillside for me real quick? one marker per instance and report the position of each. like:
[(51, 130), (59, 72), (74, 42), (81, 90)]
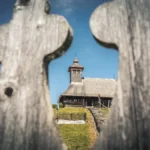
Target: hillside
[(80, 136)]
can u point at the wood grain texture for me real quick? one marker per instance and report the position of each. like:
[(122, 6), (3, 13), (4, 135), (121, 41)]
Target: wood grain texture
[(3, 43), (126, 24), (27, 43)]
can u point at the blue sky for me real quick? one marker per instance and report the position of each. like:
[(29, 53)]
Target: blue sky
[(99, 62)]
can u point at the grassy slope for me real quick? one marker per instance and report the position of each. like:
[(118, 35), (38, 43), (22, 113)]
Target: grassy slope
[(78, 137), (75, 136)]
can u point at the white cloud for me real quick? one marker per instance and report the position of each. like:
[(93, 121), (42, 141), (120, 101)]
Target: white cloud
[(66, 5)]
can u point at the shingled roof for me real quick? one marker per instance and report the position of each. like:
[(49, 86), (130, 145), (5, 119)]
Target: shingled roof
[(76, 64), (92, 87)]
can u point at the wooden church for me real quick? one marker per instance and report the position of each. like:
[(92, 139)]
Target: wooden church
[(87, 91)]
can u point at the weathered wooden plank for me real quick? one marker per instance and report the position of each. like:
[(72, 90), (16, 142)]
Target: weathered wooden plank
[(126, 23), (25, 111), (3, 37)]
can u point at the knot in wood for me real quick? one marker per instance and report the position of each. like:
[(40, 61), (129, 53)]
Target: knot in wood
[(7, 89)]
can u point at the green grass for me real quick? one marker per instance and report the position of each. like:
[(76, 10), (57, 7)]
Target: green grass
[(76, 137)]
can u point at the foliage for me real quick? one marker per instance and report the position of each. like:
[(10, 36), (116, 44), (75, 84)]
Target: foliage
[(61, 105), (54, 106), (72, 113), (72, 110), (72, 116)]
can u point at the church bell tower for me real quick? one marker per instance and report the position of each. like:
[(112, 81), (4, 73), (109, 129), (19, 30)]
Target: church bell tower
[(75, 71)]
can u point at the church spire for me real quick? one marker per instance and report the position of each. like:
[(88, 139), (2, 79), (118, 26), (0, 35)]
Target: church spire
[(75, 71), (75, 60)]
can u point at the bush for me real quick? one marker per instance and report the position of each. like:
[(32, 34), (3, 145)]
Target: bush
[(72, 116), (61, 105), (54, 106), (71, 113)]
